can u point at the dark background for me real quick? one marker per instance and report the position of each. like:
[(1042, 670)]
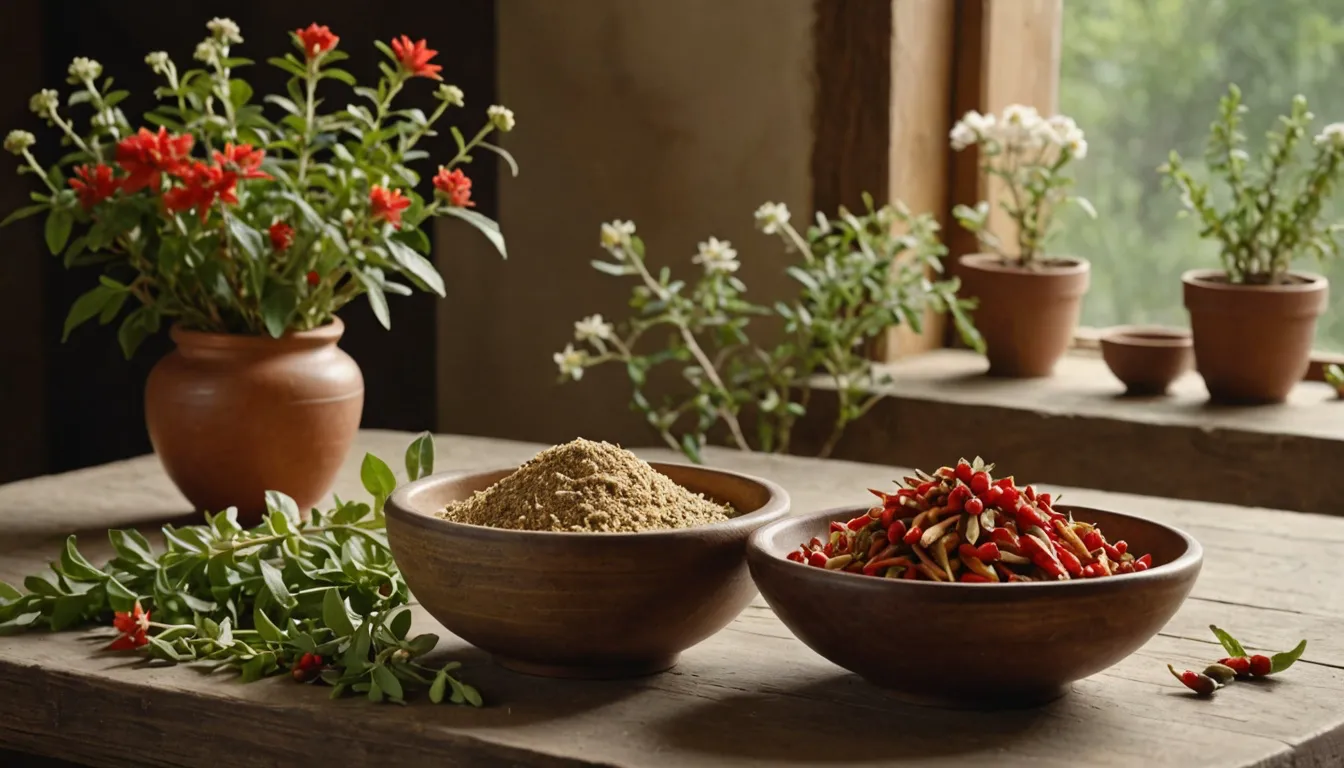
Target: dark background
[(64, 406)]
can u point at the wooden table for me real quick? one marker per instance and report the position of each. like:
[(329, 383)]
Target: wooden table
[(750, 695)]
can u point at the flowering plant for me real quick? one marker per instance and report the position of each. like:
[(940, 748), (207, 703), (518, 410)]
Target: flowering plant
[(228, 220), (1272, 212), (1030, 154), (319, 600), (858, 276)]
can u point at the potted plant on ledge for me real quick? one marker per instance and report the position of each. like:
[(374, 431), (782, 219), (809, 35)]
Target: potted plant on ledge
[(248, 232), (1029, 301), (1254, 320)]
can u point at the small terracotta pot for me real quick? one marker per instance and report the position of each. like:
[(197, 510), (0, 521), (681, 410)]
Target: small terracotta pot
[(1027, 316), (233, 416), (1252, 342), (1147, 358)]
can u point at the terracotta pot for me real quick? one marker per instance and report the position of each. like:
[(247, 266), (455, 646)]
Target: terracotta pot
[(234, 416), (1252, 342), (1027, 316), (1147, 358)]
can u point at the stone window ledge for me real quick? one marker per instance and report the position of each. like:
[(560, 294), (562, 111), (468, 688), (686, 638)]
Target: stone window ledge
[(1076, 428)]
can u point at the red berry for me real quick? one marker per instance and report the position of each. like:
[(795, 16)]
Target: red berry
[(974, 506), (992, 496), (1009, 498), (896, 531), (1092, 539), (1030, 493), (1147, 561), (964, 471), (973, 578), (957, 498), (1260, 665), (886, 517), (1121, 546), (314, 278), (924, 488), (988, 552), (1044, 498), (1140, 566), (836, 525), (912, 535), (797, 556), (816, 543), (1239, 664), (818, 559), (979, 482), (859, 523)]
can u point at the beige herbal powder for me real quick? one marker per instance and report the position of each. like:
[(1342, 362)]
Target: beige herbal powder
[(589, 487)]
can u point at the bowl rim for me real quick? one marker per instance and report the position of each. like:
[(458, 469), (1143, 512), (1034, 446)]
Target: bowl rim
[(1192, 558), (397, 507), (1155, 336)]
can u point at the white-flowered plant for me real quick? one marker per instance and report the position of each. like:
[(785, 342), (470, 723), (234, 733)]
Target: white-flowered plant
[(1272, 211), (1030, 154), (859, 275)]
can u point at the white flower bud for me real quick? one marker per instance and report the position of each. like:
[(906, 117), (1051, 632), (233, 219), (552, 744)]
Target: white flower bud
[(18, 142), (158, 62), (225, 30), (44, 102), (451, 94), (592, 328), (1332, 134), (206, 51), (716, 255), (770, 217), (616, 234), (570, 361), (502, 117), (82, 69)]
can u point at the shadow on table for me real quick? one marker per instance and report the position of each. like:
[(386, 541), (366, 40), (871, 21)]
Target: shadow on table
[(845, 719)]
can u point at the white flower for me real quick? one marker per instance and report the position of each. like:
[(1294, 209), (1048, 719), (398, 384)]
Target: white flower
[(502, 117), (771, 217), (570, 361), (451, 94), (716, 256), (1021, 125), (1065, 129), (205, 51), (44, 102), (962, 136), (82, 69), (1077, 148), (983, 125), (103, 119), (157, 61), (18, 142), (225, 30), (616, 236), (592, 328), (1332, 134)]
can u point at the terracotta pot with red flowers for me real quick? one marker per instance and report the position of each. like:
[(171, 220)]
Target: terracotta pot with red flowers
[(1029, 300), (1254, 320), (246, 224)]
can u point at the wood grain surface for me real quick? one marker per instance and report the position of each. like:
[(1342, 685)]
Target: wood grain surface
[(750, 695)]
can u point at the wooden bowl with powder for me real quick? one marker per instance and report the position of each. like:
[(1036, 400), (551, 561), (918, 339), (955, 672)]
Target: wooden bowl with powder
[(585, 562)]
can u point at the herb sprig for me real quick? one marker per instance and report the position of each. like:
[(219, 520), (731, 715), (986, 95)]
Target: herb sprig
[(321, 599)]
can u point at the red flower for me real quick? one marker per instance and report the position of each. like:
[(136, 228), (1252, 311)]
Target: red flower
[(94, 185), (282, 235), (243, 158), (134, 629), (308, 666), (314, 278), (414, 58), (455, 186), (387, 205), (201, 185), (316, 40), (146, 155)]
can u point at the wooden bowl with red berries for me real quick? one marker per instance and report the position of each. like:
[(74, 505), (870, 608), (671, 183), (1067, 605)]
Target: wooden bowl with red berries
[(965, 590)]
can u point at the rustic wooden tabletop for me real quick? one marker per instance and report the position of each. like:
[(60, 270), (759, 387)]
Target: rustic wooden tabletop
[(750, 695)]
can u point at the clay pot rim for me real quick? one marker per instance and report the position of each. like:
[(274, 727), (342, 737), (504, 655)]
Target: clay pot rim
[(1191, 558), (1209, 280), (401, 505), (989, 262), (1148, 337), (321, 336)]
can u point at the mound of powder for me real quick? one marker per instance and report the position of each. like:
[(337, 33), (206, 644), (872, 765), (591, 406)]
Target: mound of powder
[(589, 487)]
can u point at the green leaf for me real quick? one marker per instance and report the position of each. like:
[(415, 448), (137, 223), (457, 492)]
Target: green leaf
[(508, 158), (24, 212), (59, 224), (377, 299), (377, 477), (137, 326), (279, 502), (275, 584), (400, 623), (113, 307), (335, 615), (75, 567), (1229, 642), (416, 265), (436, 689), (356, 657), (384, 679), (239, 93), (265, 627), (67, 612), (691, 447), (483, 223), (119, 598), (472, 695), (88, 306), (278, 303), (619, 270), (283, 103), (340, 74), (289, 65), (248, 239), (252, 669), (8, 593), (422, 644), (225, 636), (420, 457), (1281, 661), (375, 693)]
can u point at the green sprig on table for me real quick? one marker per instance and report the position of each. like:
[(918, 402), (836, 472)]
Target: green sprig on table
[(260, 601)]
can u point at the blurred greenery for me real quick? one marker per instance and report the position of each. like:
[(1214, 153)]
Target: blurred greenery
[(1143, 77)]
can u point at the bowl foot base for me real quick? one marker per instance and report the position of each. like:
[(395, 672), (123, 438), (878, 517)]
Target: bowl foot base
[(601, 671), (1024, 699)]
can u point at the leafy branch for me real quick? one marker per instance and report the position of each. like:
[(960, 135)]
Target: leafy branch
[(320, 599)]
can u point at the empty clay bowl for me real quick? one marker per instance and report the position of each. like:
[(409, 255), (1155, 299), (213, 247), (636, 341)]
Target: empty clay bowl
[(977, 646), (1147, 359), (580, 605)]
